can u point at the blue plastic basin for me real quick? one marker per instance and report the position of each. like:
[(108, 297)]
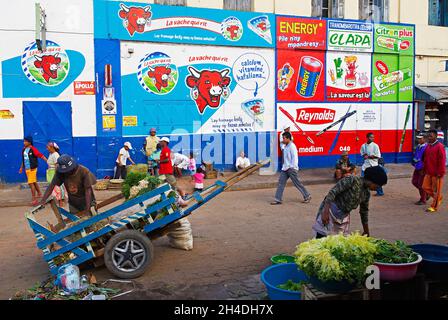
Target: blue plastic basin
[(280, 274), (435, 260)]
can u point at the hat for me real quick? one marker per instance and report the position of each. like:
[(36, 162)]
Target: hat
[(29, 139), (420, 136), (152, 130), (286, 126), (165, 139), (377, 175), (66, 164), (128, 144)]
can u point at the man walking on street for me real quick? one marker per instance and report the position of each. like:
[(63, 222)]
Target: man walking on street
[(434, 160), (419, 171), (290, 169), (370, 151), (286, 128)]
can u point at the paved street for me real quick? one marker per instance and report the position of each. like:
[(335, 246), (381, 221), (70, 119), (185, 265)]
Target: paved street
[(234, 237)]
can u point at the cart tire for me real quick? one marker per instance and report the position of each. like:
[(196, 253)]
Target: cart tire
[(128, 254)]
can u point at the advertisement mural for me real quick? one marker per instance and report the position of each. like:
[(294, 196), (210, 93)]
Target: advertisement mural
[(350, 36), (36, 73), (329, 129), (301, 33), (186, 25), (300, 75), (193, 90), (348, 76), (397, 39), (393, 78)]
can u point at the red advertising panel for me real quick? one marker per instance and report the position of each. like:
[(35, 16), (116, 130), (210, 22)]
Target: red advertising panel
[(348, 76), (84, 87), (300, 75), (301, 33)]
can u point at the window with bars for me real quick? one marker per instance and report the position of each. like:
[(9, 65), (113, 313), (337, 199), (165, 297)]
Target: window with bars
[(171, 2), (328, 8), (239, 5), (438, 13), (374, 10)]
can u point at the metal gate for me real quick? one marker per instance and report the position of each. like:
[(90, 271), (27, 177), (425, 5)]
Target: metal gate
[(48, 121)]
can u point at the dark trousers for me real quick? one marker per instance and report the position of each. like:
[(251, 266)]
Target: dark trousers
[(120, 172), (293, 175), (417, 181)]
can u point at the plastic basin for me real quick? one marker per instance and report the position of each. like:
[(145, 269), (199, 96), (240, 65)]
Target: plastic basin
[(279, 274), (398, 271), (278, 259), (435, 260), (332, 286)]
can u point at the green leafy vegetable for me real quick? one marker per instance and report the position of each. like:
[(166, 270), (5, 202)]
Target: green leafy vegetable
[(397, 252), (336, 257), (292, 286)]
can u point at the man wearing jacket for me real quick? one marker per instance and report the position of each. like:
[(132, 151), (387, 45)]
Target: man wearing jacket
[(419, 171), (434, 160), (30, 157)]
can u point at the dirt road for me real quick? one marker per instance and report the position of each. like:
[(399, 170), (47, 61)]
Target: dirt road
[(234, 236)]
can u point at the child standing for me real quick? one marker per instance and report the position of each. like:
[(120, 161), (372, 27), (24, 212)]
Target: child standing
[(198, 179), (192, 164), (58, 192), (30, 156)]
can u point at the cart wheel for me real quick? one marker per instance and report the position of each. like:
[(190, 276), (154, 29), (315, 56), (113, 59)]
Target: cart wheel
[(128, 253)]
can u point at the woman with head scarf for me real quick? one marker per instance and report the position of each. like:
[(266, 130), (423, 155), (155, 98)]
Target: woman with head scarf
[(52, 161), (30, 157), (350, 192)]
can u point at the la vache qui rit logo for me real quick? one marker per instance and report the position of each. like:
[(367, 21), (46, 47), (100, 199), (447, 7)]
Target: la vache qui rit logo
[(49, 67), (135, 19)]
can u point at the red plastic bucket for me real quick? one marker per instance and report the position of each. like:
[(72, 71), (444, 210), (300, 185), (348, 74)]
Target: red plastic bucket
[(398, 271)]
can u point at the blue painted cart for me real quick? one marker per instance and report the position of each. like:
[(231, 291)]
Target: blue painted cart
[(121, 235)]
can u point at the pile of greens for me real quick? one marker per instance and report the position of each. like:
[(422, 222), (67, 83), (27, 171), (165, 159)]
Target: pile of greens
[(133, 179), (397, 252), (47, 290), (336, 257), (292, 286)]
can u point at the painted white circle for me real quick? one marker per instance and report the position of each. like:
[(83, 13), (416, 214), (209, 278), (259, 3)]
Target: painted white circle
[(250, 70), (157, 73), (232, 29), (49, 67)]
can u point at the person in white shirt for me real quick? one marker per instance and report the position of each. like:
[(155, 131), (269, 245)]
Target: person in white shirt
[(290, 169), (180, 162), (120, 163), (371, 153), (286, 128), (242, 162)]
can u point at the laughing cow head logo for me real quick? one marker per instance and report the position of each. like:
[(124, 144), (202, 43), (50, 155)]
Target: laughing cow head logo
[(49, 65), (233, 30), (160, 75), (208, 86), (135, 18)]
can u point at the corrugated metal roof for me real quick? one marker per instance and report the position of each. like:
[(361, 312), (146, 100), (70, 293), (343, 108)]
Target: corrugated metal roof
[(436, 93)]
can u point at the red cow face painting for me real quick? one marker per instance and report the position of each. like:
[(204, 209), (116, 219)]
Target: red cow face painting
[(209, 84), (160, 75), (49, 65), (135, 18)]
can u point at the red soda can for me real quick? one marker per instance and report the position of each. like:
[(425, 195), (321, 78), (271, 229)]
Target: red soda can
[(309, 74)]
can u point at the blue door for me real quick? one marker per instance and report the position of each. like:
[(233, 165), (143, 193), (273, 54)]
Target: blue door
[(48, 121)]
